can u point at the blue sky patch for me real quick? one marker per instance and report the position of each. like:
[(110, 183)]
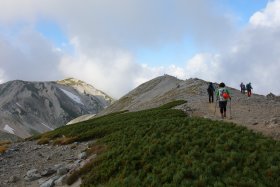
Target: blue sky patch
[(52, 32)]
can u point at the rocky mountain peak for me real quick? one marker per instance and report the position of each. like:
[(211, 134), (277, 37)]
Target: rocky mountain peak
[(85, 88), (28, 108), (71, 81)]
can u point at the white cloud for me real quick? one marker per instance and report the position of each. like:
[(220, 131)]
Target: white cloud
[(205, 66), (16, 11), (269, 17), (114, 72), (27, 55), (126, 23), (111, 71)]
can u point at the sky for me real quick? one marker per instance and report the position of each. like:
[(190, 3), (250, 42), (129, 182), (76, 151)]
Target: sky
[(118, 45)]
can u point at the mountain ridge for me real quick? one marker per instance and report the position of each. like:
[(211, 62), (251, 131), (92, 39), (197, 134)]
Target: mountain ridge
[(258, 112)]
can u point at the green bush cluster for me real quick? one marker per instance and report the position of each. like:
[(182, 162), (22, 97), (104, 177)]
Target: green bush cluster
[(164, 147)]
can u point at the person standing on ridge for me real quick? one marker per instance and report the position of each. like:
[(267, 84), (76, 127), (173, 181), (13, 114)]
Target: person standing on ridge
[(249, 89), (242, 88), (211, 91), (223, 96)]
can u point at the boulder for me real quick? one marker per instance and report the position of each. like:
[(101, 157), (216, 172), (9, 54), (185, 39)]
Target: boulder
[(48, 172), (82, 155), (273, 122), (50, 182), (32, 175), (62, 171)]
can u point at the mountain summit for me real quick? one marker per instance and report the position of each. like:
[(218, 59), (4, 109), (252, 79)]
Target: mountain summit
[(28, 108), (86, 88)]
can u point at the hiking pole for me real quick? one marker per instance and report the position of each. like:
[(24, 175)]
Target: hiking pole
[(249, 104), (215, 107), (230, 117)]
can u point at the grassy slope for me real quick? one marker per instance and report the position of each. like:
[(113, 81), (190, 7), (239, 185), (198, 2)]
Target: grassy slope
[(164, 147)]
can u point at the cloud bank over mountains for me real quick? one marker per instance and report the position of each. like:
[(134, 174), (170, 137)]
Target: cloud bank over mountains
[(104, 37)]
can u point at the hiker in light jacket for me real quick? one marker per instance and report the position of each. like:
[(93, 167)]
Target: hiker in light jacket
[(223, 96)]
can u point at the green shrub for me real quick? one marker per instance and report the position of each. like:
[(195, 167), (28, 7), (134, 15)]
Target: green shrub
[(164, 147)]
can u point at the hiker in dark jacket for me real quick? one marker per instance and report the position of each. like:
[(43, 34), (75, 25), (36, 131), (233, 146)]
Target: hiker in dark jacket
[(211, 91), (223, 96), (242, 88), (249, 89)]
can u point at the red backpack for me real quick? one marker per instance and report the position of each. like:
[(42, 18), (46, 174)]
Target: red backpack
[(225, 95)]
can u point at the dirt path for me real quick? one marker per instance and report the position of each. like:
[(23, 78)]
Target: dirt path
[(256, 112)]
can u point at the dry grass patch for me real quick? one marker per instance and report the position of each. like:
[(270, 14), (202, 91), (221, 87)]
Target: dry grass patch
[(64, 140), (43, 140), (4, 143), (96, 149), (4, 146)]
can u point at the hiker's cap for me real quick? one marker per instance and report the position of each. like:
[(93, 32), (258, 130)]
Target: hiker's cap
[(222, 84)]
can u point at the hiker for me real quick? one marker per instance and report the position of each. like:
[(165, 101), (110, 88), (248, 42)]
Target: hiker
[(249, 89), (242, 88), (211, 91), (223, 96)]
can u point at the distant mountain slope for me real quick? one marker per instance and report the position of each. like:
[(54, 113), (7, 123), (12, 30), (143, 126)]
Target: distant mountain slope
[(27, 108), (258, 112), (4, 136), (159, 91), (147, 95)]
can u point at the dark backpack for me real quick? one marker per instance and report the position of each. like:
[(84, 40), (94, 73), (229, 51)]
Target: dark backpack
[(210, 89), (248, 87)]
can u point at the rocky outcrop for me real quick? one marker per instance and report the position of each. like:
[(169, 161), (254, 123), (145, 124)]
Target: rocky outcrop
[(271, 96)]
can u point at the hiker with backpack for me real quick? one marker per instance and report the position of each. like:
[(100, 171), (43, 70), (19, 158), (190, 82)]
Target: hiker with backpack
[(211, 91), (242, 88), (223, 96), (249, 89)]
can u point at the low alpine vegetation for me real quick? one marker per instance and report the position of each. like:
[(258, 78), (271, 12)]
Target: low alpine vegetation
[(164, 147), (4, 145)]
